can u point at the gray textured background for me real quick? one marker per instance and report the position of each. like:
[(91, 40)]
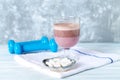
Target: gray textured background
[(29, 19)]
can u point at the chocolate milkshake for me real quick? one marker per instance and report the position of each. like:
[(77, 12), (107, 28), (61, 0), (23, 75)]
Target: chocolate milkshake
[(66, 34)]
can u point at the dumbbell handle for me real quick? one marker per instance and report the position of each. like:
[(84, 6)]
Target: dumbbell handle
[(34, 46), (28, 42)]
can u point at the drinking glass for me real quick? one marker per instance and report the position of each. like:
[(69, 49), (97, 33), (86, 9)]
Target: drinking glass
[(66, 31)]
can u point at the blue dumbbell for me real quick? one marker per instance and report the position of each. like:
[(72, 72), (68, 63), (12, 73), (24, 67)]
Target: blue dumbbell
[(29, 46)]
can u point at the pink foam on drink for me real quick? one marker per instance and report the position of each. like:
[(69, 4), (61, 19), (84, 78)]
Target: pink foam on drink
[(66, 26), (66, 42)]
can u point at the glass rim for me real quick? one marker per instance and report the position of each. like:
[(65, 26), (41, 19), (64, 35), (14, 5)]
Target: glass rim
[(66, 17)]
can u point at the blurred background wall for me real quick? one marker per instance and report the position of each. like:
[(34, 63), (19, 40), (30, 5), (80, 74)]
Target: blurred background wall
[(30, 19)]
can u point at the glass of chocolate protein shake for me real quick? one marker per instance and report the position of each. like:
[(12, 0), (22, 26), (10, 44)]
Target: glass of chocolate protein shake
[(66, 31)]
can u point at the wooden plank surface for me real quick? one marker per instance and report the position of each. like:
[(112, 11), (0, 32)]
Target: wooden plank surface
[(10, 70)]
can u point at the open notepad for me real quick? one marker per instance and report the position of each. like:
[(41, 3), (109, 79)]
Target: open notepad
[(86, 60)]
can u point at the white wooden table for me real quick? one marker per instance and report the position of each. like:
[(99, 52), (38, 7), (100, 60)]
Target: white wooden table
[(11, 70)]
